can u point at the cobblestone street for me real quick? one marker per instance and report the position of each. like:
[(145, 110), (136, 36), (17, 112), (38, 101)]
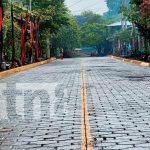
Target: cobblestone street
[(73, 104)]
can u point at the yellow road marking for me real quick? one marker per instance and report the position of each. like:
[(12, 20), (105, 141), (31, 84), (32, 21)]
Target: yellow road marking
[(137, 62), (86, 138)]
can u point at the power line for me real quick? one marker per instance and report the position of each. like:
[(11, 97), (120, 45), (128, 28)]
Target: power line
[(75, 3), (86, 7)]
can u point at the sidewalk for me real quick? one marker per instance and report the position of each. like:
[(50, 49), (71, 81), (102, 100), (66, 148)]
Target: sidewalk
[(6, 73), (137, 62)]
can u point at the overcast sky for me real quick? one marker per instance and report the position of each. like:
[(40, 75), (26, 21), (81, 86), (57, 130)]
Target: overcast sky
[(78, 6)]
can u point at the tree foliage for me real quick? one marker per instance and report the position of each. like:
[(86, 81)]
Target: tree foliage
[(52, 15), (93, 32), (68, 36), (8, 39), (124, 35), (139, 14), (113, 6), (90, 17)]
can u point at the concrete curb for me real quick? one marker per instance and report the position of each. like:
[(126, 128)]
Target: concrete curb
[(24, 68), (137, 62)]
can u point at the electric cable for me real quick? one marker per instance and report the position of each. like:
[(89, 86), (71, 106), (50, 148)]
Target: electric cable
[(86, 7), (75, 3)]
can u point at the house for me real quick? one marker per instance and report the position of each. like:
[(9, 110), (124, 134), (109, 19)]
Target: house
[(120, 24)]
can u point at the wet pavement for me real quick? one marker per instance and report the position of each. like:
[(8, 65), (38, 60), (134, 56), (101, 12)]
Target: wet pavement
[(40, 109)]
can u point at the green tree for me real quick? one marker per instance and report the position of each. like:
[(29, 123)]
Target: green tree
[(93, 31), (93, 35), (139, 14), (8, 39), (68, 36), (90, 17), (52, 15), (114, 7), (124, 35), (7, 33)]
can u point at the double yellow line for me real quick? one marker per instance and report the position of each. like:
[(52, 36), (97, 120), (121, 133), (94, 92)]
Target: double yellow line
[(86, 138)]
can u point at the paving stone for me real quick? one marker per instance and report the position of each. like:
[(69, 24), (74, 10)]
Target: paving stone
[(118, 106)]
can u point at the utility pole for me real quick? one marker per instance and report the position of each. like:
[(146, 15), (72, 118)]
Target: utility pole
[(30, 8), (1, 32), (122, 16), (13, 40), (30, 5)]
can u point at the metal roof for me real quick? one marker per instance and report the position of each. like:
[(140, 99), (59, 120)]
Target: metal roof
[(119, 24)]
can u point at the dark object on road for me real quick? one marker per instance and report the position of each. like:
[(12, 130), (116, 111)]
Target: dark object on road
[(61, 53)]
